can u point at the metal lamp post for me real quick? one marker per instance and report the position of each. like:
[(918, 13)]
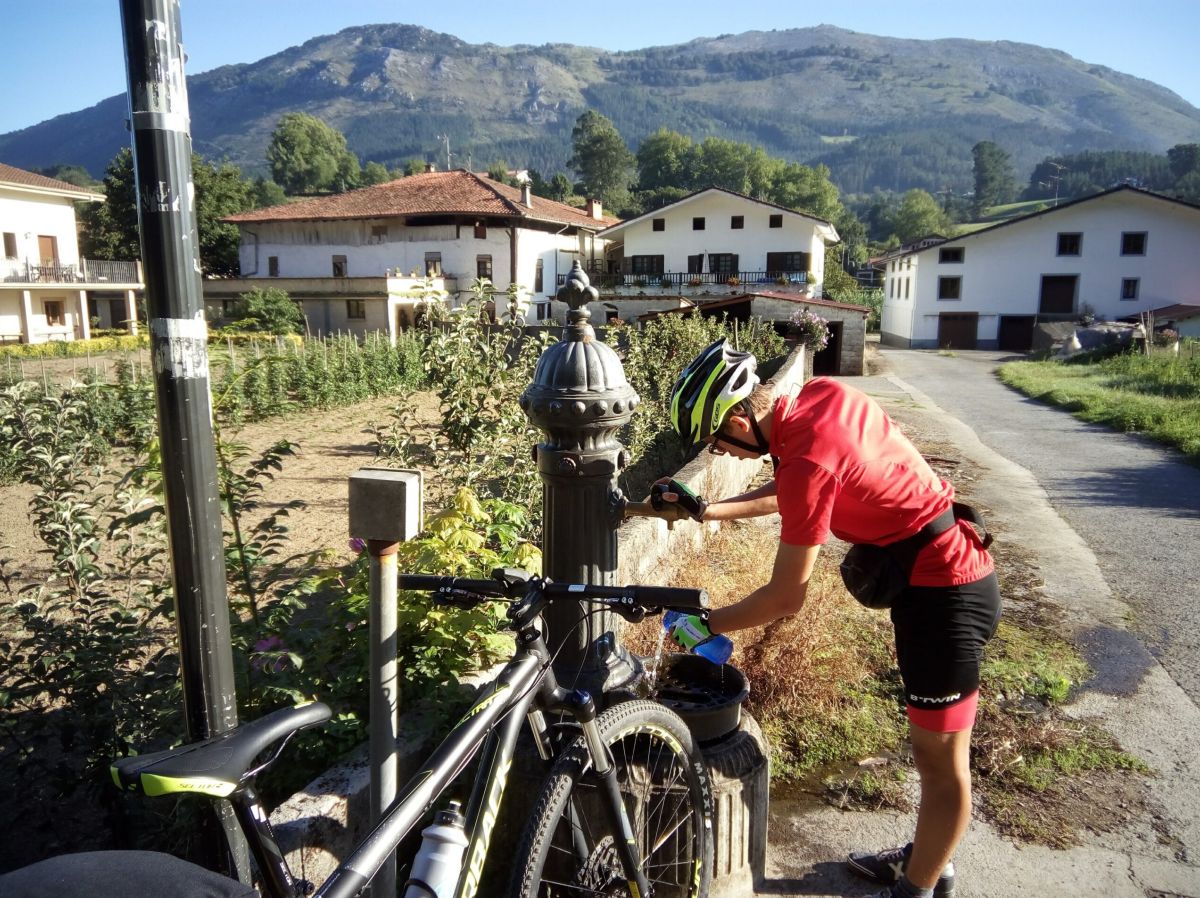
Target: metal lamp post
[(580, 398)]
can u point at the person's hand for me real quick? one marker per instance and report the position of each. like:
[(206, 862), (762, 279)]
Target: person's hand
[(689, 630), (675, 502)]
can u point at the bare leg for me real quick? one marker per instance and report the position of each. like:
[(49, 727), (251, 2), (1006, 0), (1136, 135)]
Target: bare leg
[(943, 763)]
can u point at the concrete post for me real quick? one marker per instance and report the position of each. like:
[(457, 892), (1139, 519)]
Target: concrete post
[(385, 509), (580, 398)]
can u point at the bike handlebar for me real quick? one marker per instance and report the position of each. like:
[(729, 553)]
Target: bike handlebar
[(465, 590)]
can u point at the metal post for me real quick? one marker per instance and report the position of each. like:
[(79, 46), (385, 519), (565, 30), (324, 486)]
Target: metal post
[(580, 399), (385, 509), (178, 338)]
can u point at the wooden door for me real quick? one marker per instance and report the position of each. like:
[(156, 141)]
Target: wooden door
[(47, 249), (1016, 333), (1058, 294), (958, 330)]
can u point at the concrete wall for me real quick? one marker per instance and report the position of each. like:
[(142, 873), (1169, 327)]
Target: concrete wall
[(678, 240), (1002, 269), (320, 823)]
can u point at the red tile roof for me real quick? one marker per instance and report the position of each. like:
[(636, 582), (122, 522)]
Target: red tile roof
[(12, 175), (431, 193)]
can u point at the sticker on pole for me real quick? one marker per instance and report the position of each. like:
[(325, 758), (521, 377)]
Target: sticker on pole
[(180, 347)]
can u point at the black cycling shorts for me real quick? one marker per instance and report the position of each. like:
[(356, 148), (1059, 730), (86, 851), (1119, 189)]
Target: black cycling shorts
[(940, 635)]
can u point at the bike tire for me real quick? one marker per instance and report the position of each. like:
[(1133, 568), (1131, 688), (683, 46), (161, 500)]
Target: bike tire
[(664, 783)]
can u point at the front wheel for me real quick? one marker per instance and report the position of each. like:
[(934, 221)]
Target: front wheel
[(567, 848)]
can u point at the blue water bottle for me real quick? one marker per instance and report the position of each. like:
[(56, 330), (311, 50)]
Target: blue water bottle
[(694, 636)]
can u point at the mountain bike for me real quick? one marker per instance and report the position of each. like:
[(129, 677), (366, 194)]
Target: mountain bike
[(625, 809)]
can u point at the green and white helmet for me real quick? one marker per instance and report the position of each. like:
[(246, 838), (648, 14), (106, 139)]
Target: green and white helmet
[(709, 389)]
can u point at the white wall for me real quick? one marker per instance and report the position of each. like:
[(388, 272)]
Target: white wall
[(752, 243), (29, 215), (1002, 270)]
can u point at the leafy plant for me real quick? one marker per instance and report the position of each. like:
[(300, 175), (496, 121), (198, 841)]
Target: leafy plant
[(810, 329)]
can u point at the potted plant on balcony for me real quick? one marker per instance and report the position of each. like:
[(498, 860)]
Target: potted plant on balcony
[(696, 281), (781, 280), (733, 280), (665, 282)]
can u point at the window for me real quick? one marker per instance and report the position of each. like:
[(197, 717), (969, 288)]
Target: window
[(907, 282), (537, 277), (951, 255), (483, 266), (698, 223), (54, 312), (379, 234), (725, 264), (433, 265), (356, 309), (775, 221), (541, 309), (10, 245), (950, 288), (737, 222), (1129, 288), (646, 264), (480, 231), (273, 266), (696, 264), (1069, 244), (658, 224), (787, 263), (340, 269), (1133, 243), (891, 288)]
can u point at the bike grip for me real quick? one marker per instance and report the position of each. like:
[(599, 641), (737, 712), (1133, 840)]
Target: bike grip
[(672, 596)]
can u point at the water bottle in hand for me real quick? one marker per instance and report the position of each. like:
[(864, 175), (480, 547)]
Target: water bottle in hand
[(690, 631)]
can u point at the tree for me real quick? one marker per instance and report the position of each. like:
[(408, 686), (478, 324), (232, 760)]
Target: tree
[(1184, 159), (560, 188), (271, 311), (71, 174), (602, 159), (110, 229), (919, 216), (994, 180), (267, 193), (662, 160), (374, 173), (308, 156)]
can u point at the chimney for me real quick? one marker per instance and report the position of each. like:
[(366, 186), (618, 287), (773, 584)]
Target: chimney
[(595, 209), (429, 166), (527, 195)]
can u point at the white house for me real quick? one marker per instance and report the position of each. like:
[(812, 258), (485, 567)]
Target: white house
[(1109, 256), (355, 260), (716, 238), (47, 292)]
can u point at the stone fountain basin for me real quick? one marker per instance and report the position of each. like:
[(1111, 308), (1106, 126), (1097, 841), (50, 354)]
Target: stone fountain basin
[(707, 696)]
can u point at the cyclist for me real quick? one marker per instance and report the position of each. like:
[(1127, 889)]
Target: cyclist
[(843, 467)]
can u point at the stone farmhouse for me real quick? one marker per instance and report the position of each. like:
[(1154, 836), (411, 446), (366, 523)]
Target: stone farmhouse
[(1108, 256), (47, 292), (358, 261)]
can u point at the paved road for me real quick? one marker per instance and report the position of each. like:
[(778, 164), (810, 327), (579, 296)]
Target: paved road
[(1135, 503)]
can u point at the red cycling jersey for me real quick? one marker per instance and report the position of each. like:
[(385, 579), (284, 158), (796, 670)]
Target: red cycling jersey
[(845, 468)]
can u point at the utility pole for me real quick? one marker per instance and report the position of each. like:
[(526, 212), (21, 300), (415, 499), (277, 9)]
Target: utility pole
[(446, 139), (1054, 179), (162, 157)]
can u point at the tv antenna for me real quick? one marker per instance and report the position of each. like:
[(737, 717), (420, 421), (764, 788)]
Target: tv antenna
[(1054, 179), (445, 138)]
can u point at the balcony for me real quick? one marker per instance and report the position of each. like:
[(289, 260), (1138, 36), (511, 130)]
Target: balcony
[(85, 273), (687, 283)]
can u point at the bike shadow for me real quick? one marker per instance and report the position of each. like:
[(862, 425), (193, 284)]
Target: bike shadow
[(824, 878)]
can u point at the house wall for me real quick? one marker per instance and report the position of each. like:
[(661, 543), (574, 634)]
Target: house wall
[(1002, 270), (29, 215), (677, 240)]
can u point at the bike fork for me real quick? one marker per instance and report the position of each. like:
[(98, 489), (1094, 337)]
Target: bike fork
[(614, 805)]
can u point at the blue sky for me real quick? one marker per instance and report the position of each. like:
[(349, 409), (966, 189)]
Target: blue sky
[(63, 55)]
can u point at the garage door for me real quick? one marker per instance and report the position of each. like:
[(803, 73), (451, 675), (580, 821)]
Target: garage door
[(957, 330), (1016, 333)]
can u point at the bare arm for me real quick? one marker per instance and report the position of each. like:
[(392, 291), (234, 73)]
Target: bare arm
[(781, 596), (753, 504)]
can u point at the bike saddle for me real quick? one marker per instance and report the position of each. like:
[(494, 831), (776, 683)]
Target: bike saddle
[(214, 766)]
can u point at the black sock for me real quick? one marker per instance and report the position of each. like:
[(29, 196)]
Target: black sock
[(904, 888)]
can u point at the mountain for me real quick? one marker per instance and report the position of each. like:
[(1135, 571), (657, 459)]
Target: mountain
[(880, 112)]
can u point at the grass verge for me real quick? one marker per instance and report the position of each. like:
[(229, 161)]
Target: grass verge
[(1158, 395), (827, 693)]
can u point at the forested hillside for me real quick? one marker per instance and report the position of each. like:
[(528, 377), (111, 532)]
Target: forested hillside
[(882, 113)]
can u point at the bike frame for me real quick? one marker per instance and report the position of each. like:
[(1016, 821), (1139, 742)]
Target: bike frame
[(524, 690)]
